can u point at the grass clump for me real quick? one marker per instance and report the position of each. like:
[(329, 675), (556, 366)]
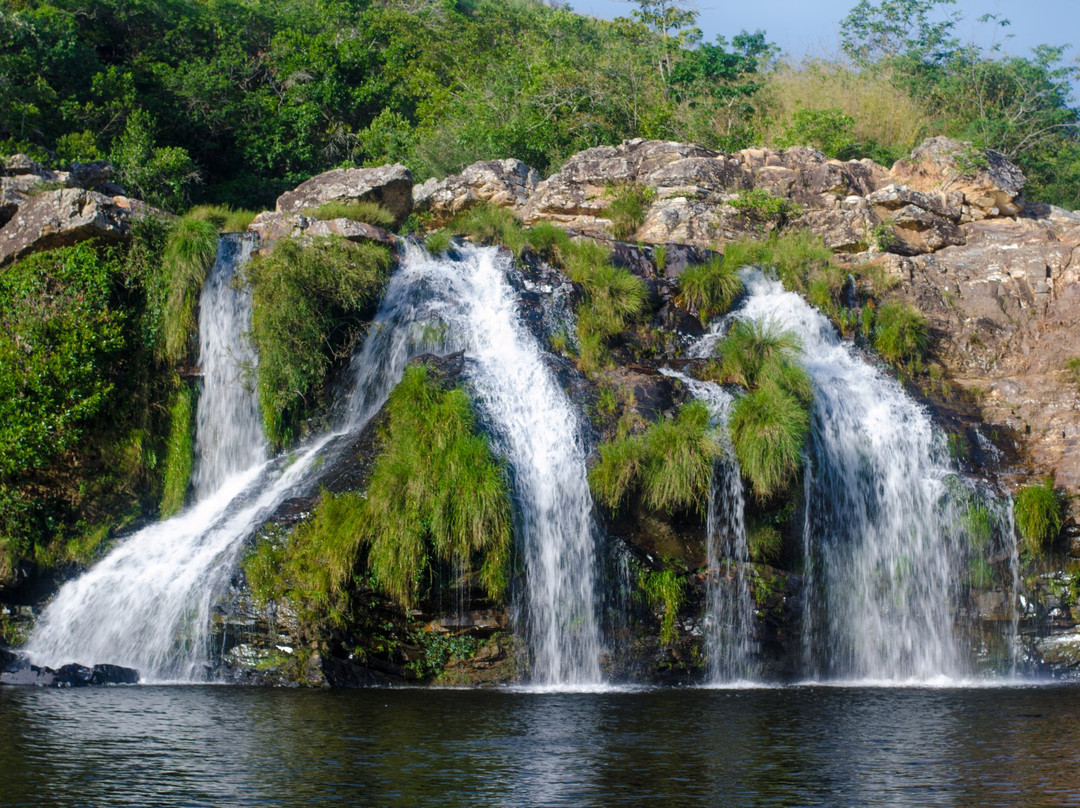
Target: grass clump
[(769, 424), (436, 493), (764, 544), (179, 451), (1072, 367), (668, 465), (309, 304), (491, 224), (549, 241), (901, 335), (223, 217), (663, 591), (796, 255), (189, 253), (628, 208), (1039, 514), (358, 211), (760, 208), (710, 288), (437, 242)]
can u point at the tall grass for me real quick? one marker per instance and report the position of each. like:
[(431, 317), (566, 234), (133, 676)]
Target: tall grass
[(769, 424), (628, 208), (887, 124), (797, 256), (490, 224), (179, 451), (668, 465), (710, 288), (189, 253), (901, 334), (223, 217), (436, 490), (309, 305), (363, 211), (663, 590), (1039, 514)]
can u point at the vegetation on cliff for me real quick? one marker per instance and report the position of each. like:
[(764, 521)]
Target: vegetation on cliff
[(310, 304), (437, 504), (234, 102), (1039, 514)]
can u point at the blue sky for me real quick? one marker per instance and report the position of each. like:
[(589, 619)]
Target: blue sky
[(803, 27)]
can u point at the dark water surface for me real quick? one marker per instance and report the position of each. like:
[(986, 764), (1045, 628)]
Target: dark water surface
[(223, 746)]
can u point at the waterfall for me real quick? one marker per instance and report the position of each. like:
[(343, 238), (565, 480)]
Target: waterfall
[(882, 565), (229, 437), (148, 603), (730, 611), (536, 428)]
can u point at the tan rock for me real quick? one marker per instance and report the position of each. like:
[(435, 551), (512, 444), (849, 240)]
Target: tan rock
[(390, 186), (508, 183)]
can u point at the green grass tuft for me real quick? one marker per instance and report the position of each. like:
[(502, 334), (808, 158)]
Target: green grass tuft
[(179, 451), (309, 306), (663, 590), (189, 253), (491, 224), (768, 430), (1072, 367), (669, 464), (795, 255), (223, 217), (764, 544), (436, 490), (901, 335), (549, 241), (628, 208), (1039, 514), (437, 242), (364, 211), (710, 288)]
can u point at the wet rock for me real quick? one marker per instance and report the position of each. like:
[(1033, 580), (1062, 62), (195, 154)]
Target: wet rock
[(1060, 652), (73, 675), (390, 186)]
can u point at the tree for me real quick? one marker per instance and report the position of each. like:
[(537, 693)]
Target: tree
[(897, 28), (673, 22)]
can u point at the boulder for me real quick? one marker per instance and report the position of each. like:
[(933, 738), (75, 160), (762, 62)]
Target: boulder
[(65, 217), (390, 186), (349, 230), (991, 185), (91, 175), (508, 183), (73, 675), (849, 228), (916, 231)]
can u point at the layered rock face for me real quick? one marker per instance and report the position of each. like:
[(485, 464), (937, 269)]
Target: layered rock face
[(999, 280)]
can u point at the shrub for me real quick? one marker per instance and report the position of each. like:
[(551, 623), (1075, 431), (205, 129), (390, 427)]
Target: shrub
[(900, 334), (663, 589), (759, 207), (309, 303), (710, 287), (179, 451), (627, 209), (768, 430), (490, 224), (358, 211), (1039, 514), (436, 491), (190, 251)]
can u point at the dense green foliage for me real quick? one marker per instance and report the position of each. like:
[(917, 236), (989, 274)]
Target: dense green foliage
[(235, 100), (189, 253), (900, 334), (770, 423), (436, 493), (669, 464), (81, 429), (436, 496), (1039, 514), (309, 304), (179, 451)]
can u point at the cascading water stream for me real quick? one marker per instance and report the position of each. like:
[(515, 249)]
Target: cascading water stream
[(147, 604), (881, 566), (536, 427), (730, 624)]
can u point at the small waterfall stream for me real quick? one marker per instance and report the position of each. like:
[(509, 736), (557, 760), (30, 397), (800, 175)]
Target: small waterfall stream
[(730, 625)]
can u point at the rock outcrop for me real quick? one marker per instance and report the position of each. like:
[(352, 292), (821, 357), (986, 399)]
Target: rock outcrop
[(61, 218), (389, 186), (508, 183)]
